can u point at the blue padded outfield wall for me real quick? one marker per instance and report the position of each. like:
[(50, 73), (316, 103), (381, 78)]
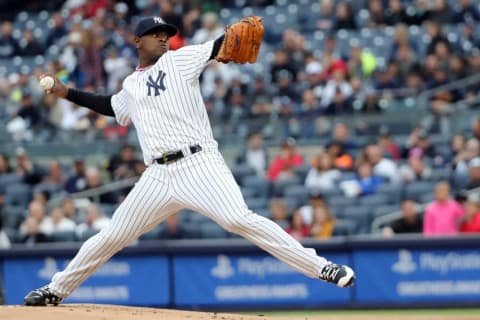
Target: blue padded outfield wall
[(202, 275)]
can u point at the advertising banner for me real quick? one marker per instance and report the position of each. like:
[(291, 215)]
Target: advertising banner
[(237, 280), (122, 280), (417, 275)]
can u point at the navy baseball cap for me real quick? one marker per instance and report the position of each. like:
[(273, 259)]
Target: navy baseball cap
[(149, 24)]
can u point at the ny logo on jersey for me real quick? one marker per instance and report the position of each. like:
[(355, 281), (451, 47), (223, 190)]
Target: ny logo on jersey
[(156, 84)]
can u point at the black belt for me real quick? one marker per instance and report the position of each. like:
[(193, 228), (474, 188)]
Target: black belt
[(173, 156)]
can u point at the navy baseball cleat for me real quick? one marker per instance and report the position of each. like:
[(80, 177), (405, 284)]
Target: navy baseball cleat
[(41, 297), (342, 276)]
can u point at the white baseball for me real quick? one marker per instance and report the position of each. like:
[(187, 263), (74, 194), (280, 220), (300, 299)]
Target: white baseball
[(47, 83)]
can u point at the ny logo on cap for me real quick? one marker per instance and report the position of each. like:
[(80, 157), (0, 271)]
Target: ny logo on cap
[(158, 20)]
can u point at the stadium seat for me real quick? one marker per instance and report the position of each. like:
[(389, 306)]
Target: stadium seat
[(374, 200), (361, 215), (260, 184), (9, 179), (299, 192), (63, 236), (12, 216), (240, 171), (87, 234), (18, 194), (344, 227), (416, 189), (394, 192), (257, 203), (281, 185), (341, 201)]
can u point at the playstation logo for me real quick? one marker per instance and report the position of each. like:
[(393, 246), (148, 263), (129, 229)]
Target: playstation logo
[(405, 263), (223, 269)]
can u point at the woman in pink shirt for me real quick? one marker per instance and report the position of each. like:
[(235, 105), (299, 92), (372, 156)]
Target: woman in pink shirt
[(442, 216)]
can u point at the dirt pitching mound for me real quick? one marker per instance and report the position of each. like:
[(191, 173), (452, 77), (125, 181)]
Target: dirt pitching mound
[(109, 312)]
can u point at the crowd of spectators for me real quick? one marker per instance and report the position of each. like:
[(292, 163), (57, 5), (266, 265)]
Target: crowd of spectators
[(302, 79)]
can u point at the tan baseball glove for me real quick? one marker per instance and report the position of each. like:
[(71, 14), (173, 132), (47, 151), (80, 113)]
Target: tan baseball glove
[(242, 41)]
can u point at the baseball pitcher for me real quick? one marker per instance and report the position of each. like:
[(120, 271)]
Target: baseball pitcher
[(162, 99)]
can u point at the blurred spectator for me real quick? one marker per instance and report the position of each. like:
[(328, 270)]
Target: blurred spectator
[(32, 233), (474, 174), (361, 63), (341, 159), (395, 13), (315, 200), (364, 183), (475, 127), (466, 13), (279, 212), (77, 181), (58, 222), (4, 239), (28, 45), (463, 158), (298, 228), (471, 220), (93, 180), (410, 222), (388, 146), (55, 176), (344, 18), (173, 228), (8, 45), (322, 175), (441, 13), (255, 155), (337, 90), (28, 170), (122, 165), (285, 161), (341, 134), (382, 166), (29, 111), (281, 63), (117, 68), (415, 169), (377, 13), (324, 17), (259, 97), (211, 29), (323, 223), (443, 215), (303, 124), (434, 31), (37, 211), (4, 164), (94, 221), (69, 209), (169, 15), (57, 30)]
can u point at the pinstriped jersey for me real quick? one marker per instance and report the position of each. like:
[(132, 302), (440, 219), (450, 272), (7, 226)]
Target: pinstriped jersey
[(164, 103)]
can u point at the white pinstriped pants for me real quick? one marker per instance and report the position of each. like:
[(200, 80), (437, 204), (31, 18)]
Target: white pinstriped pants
[(201, 182)]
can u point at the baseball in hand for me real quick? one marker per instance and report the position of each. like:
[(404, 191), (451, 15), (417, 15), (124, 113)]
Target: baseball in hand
[(47, 83)]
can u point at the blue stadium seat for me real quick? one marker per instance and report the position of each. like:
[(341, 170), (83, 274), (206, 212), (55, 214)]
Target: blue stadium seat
[(299, 192), (18, 194), (12, 216), (384, 210), (281, 185), (241, 171), (9, 179), (260, 184), (374, 200), (361, 215), (341, 201), (416, 189), (63, 236), (344, 227), (257, 203)]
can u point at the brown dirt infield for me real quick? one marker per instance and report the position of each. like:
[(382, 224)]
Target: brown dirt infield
[(109, 312)]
